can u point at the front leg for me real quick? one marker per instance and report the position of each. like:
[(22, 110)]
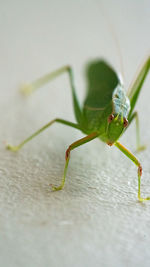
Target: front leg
[(78, 143), (137, 163)]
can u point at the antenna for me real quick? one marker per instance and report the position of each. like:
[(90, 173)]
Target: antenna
[(114, 35)]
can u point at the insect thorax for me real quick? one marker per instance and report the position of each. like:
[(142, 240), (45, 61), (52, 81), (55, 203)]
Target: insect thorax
[(121, 103)]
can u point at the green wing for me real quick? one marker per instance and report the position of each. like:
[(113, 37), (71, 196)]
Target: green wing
[(101, 81)]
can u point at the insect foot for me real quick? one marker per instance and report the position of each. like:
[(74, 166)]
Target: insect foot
[(139, 185), (56, 188), (26, 89), (12, 148)]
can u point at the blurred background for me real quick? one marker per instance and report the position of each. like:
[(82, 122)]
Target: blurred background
[(96, 220)]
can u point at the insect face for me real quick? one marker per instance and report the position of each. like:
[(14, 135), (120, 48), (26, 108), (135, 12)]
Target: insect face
[(116, 126)]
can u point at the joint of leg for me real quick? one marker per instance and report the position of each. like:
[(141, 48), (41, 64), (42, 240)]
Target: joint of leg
[(67, 153), (140, 170), (109, 143), (68, 68), (110, 118)]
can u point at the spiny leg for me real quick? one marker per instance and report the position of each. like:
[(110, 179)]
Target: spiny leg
[(78, 143), (29, 88), (137, 163), (136, 117), (137, 84), (16, 148)]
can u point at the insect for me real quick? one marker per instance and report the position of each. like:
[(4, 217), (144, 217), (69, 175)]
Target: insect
[(106, 113)]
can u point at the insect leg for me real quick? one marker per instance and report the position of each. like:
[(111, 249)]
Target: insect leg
[(137, 84), (78, 143), (136, 117), (16, 148), (137, 163), (29, 88)]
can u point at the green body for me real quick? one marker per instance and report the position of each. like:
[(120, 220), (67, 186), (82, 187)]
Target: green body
[(100, 102), (106, 111)]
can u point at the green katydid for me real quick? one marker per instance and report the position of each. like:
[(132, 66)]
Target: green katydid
[(106, 112)]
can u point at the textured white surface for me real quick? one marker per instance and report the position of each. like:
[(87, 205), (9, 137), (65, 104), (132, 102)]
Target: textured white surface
[(96, 220)]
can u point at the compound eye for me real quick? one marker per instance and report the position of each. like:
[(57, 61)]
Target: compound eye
[(125, 122), (110, 118)]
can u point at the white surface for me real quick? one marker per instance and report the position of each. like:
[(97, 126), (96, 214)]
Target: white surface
[(96, 220)]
